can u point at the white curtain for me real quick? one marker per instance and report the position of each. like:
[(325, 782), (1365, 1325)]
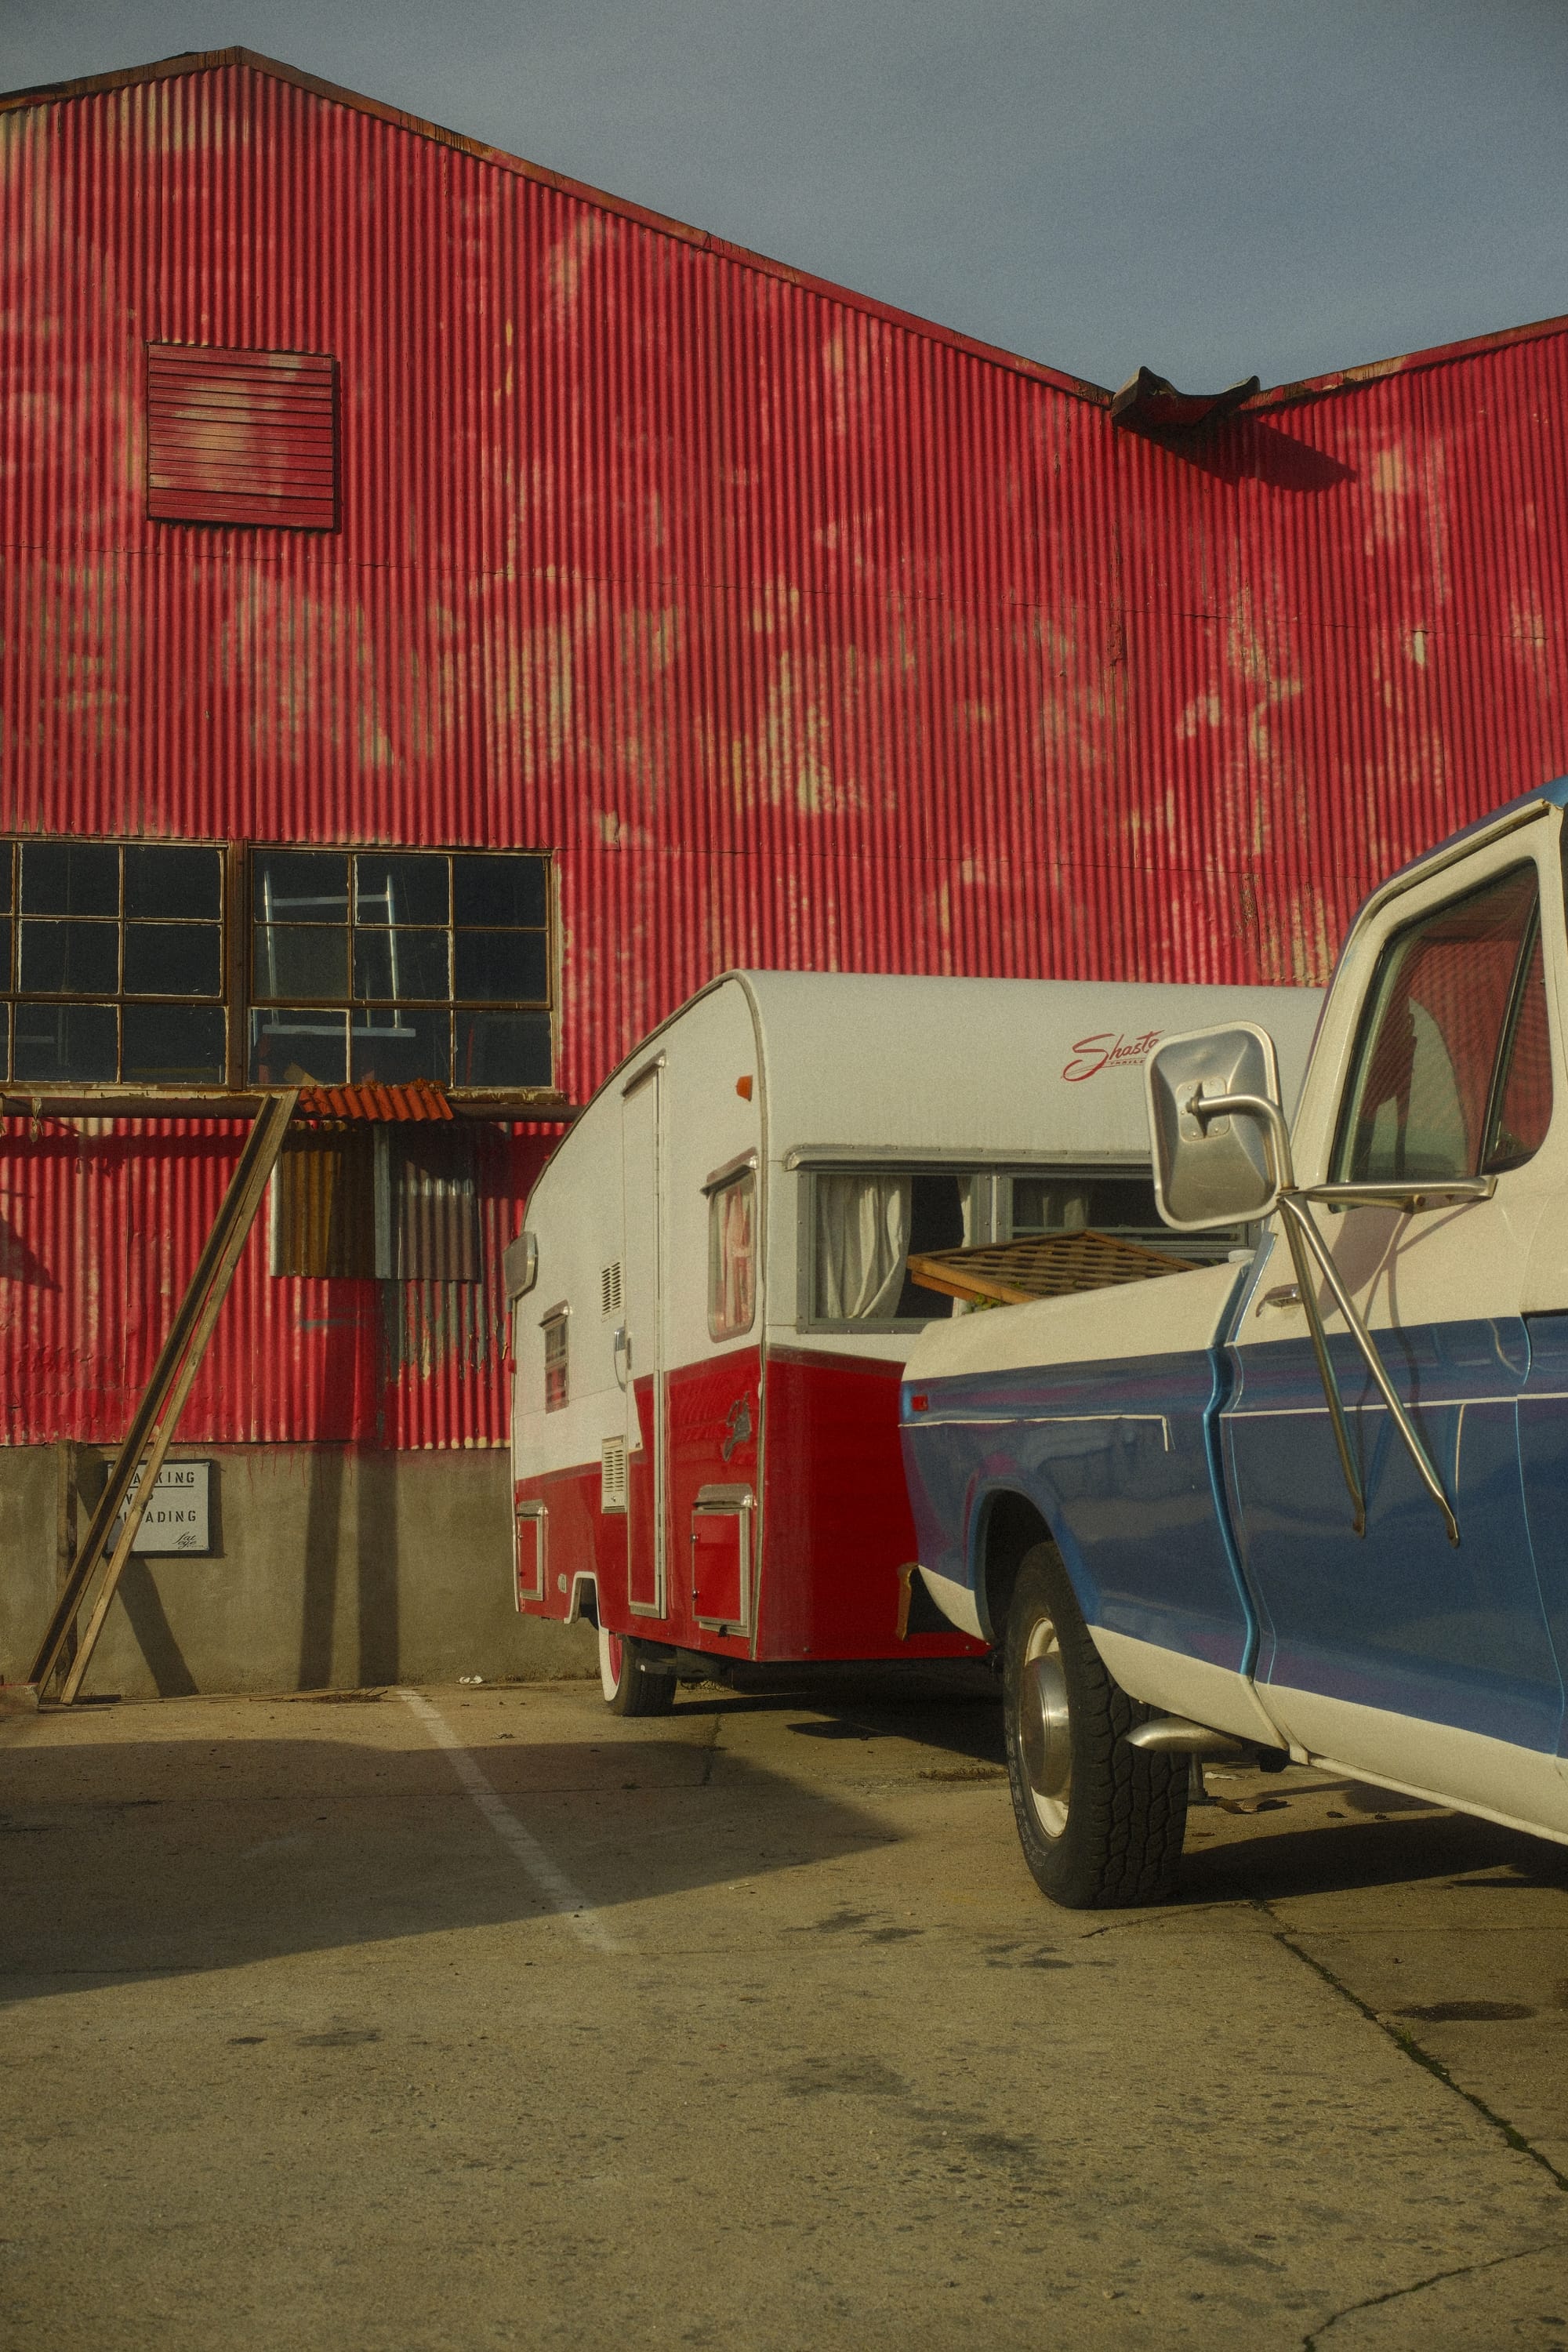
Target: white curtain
[(862, 1240)]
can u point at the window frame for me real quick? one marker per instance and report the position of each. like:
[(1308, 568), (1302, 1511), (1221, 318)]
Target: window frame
[(451, 1006), (13, 997), (995, 1174), (1370, 1012), (718, 1189), (557, 1319)]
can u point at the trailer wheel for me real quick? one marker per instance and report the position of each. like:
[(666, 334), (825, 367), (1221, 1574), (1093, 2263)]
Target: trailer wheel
[(627, 1686), (1100, 1823)]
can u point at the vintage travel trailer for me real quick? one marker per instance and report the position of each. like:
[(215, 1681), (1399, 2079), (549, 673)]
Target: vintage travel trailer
[(711, 1301)]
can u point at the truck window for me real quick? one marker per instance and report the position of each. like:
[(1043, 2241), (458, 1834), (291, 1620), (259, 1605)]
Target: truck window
[(732, 1256), (1452, 1071)]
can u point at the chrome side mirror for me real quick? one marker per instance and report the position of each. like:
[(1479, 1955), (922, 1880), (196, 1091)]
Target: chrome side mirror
[(1220, 1146)]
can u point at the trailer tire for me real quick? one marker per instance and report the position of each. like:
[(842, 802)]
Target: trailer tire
[(627, 1686), (1100, 1823)]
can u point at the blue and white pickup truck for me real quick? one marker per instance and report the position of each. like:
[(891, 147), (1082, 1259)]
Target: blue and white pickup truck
[(1309, 1504)]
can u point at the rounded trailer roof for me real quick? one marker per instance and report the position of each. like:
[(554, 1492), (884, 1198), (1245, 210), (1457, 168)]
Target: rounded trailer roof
[(1000, 1067)]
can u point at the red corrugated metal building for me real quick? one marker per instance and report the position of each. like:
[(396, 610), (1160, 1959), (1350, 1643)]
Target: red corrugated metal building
[(605, 606)]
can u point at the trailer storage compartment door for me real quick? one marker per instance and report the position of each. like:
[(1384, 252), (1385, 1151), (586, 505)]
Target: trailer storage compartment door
[(721, 1559)]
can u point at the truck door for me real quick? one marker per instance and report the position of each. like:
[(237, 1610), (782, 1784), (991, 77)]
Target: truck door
[(641, 1344), (1373, 1649)]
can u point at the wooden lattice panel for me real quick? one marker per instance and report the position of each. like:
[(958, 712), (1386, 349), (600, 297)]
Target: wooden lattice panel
[(1009, 1274)]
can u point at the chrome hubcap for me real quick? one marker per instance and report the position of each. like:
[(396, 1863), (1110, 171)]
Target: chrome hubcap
[(1044, 1735)]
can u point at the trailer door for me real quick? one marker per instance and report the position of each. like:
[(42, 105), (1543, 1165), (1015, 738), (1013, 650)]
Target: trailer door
[(642, 1349)]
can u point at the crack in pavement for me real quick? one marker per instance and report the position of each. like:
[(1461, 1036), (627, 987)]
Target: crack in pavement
[(1412, 2049), (1418, 2286)]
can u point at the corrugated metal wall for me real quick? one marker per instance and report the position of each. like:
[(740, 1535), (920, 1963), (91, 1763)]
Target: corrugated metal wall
[(802, 634)]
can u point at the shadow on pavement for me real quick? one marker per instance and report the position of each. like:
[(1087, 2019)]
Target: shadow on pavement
[(1343, 1856), (173, 1856)]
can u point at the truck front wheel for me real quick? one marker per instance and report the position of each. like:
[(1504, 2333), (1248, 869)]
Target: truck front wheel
[(1101, 1824), (627, 1686)]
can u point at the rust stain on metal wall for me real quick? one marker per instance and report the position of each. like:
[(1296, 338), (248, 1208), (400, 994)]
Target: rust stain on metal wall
[(803, 633)]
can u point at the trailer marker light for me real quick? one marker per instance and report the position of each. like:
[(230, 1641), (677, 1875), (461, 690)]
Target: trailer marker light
[(743, 1089), (919, 1403)]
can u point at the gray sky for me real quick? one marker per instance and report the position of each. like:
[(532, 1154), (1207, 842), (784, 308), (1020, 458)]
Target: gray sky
[(1211, 188)]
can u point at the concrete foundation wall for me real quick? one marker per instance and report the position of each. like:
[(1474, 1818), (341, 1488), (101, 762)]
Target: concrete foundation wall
[(332, 1568)]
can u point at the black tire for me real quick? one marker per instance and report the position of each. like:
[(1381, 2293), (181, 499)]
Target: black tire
[(629, 1687), (1100, 1823)]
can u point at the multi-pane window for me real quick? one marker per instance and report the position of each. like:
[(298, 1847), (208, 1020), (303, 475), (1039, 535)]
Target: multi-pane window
[(867, 1221), (111, 963), (400, 964)]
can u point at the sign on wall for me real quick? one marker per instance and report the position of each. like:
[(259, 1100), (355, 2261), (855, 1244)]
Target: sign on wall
[(176, 1518)]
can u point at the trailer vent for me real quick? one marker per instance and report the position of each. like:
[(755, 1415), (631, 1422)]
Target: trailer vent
[(610, 1289), (613, 1474)]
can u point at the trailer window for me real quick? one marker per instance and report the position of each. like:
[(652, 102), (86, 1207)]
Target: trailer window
[(554, 1328), (732, 1256), (865, 1222)]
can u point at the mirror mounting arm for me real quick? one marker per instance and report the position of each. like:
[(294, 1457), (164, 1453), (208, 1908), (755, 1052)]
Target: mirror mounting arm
[(1300, 1230), (1270, 1118), (1303, 1236)]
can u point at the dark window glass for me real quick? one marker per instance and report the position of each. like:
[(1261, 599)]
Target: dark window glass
[(498, 892), (503, 1049), (173, 960), (291, 959), (166, 880), (301, 886), (399, 1044), (5, 952), (58, 1042), (71, 959), (400, 889), (400, 964), (284, 1045), (1075, 1204), (500, 967), (5, 1039), (69, 877), (173, 1044), (1431, 1038)]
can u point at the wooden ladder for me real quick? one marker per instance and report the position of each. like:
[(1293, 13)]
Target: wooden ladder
[(157, 1416)]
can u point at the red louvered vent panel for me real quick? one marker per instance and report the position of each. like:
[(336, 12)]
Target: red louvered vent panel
[(241, 437)]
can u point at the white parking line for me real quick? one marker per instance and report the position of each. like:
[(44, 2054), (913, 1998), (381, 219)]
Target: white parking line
[(553, 1883)]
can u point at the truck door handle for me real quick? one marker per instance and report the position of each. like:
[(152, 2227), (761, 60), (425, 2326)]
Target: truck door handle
[(1284, 1293)]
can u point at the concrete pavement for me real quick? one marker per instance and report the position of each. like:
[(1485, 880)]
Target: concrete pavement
[(490, 2021)]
